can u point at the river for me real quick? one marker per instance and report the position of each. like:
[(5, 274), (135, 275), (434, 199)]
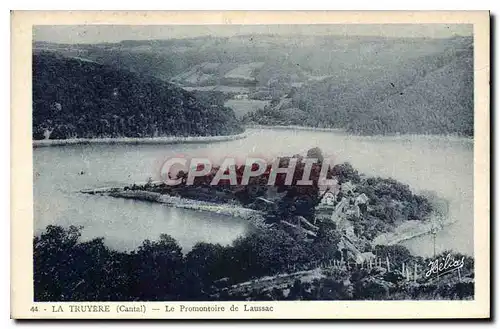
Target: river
[(438, 163)]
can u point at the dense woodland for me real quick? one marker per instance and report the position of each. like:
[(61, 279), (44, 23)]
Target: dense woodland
[(73, 98), (434, 95), (69, 269)]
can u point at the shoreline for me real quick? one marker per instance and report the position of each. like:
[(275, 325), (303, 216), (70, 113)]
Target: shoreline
[(253, 216), (452, 137), (403, 232), (408, 231), (139, 140), (338, 130)]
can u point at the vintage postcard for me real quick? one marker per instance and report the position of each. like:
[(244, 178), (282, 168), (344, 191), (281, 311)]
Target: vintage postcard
[(250, 165)]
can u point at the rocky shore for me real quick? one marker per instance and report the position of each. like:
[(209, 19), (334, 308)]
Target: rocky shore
[(128, 140), (402, 232), (252, 215), (294, 127), (410, 230)]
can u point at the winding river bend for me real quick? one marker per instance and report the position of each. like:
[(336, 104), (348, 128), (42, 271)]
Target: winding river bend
[(437, 163)]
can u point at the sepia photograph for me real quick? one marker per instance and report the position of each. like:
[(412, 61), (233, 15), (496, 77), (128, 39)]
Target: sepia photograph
[(251, 163)]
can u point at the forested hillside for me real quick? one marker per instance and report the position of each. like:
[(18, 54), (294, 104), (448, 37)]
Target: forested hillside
[(367, 85), (441, 102), (76, 98), (428, 95)]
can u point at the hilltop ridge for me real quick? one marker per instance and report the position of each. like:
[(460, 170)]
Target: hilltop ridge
[(75, 98)]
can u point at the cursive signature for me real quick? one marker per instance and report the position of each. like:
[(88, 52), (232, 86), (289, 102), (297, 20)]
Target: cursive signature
[(444, 265)]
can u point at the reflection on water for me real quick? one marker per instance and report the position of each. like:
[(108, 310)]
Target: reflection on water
[(440, 164)]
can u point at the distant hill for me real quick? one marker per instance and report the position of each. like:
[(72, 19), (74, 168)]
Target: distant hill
[(441, 102), (367, 85), (270, 57), (431, 94), (75, 98)]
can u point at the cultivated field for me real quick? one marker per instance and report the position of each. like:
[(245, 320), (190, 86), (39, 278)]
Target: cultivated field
[(244, 106)]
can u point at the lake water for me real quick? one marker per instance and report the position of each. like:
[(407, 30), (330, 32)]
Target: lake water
[(440, 164)]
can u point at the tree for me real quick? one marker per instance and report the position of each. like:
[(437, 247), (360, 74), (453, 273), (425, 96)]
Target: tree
[(396, 253), (205, 264), (159, 270), (345, 172), (53, 260)]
